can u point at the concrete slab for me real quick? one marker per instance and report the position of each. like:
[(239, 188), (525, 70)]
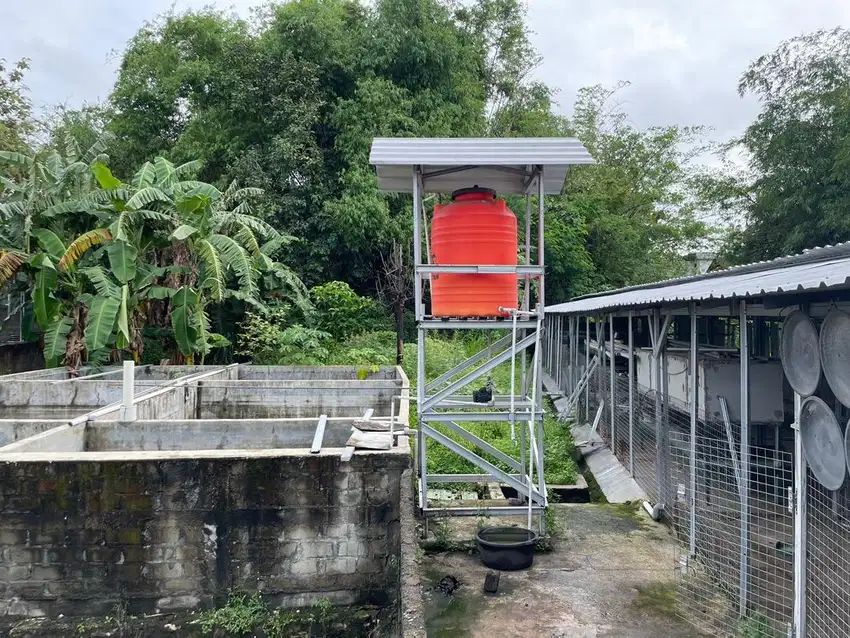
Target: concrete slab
[(611, 573)]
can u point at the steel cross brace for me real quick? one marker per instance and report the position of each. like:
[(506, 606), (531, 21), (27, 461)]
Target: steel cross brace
[(503, 356), (463, 365), (492, 470)]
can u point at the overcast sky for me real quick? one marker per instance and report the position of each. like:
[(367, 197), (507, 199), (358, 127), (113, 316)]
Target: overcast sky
[(682, 57)]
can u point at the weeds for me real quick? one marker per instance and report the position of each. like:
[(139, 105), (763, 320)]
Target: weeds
[(238, 617), (756, 626)]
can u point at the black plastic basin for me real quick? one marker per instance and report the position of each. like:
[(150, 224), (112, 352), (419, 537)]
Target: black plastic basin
[(506, 548)]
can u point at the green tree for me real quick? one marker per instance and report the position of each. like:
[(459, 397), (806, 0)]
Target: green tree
[(796, 192), (637, 203), (16, 122)]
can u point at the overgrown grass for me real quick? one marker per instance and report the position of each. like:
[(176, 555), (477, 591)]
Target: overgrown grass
[(379, 348), (245, 615)]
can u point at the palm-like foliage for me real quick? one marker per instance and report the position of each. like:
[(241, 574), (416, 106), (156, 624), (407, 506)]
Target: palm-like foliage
[(95, 249)]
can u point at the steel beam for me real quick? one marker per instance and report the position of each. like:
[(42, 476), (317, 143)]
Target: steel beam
[(463, 365), (612, 381), (800, 513), (478, 461), (692, 490), (480, 416), (587, 367), (477, 324), (631, 395), (439, 512), (478, 442), (745, 462)]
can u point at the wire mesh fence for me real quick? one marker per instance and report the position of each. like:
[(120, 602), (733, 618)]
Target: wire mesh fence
[(827, 561), (710, 583)]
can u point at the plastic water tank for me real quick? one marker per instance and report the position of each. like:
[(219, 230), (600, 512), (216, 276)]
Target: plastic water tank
[(474, 229)]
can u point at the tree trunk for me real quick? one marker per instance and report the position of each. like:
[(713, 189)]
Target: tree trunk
[(399, 332)]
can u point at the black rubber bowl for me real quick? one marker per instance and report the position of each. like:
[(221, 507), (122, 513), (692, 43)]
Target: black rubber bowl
[(506, 548)]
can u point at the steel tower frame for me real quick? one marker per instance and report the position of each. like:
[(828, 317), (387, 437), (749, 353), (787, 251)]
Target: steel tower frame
[(442, 166)]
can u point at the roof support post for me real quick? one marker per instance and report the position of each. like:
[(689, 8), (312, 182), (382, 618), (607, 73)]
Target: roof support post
[(800, 507), (745, 460), (692, 497), (631, 394), (541, 310), (587, 367), (612, 380)]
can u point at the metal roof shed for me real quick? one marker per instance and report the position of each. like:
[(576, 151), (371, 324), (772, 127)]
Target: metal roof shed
[(506, 165), (816, 270)]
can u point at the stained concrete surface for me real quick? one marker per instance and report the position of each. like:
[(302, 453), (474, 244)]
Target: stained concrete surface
[(611, 574)]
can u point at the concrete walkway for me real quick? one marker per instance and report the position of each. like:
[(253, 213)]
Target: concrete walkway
[(611, 574)]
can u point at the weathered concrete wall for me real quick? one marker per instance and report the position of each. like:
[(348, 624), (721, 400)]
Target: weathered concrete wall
[(62, 439), (79, 537), (249, 372), (213, 434), (295, 399), (14, 430)]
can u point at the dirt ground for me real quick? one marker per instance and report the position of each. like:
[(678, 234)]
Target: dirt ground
[(611, 573)]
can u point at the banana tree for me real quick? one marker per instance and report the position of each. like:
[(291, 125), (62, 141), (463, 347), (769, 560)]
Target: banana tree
[(227, 251)]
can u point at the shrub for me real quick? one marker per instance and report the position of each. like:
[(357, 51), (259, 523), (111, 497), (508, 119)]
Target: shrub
[(266, 338), (341, 312)]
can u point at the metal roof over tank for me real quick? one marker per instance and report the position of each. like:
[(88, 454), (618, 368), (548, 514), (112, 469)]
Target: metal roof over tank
[(448, 164), (816, 269)]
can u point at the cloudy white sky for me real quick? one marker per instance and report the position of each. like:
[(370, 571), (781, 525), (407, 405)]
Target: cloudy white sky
[(683, 57)]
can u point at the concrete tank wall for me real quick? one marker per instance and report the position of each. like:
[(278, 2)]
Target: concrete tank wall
[(214, 434), (80, 536)]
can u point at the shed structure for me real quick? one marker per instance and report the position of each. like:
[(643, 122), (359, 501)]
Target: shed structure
[(691, 390)]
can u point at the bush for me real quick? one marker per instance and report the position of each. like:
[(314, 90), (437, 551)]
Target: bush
[(341, 312), (266, 339), (372, 348)]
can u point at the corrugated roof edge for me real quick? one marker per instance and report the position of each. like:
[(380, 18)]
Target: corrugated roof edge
[(810, 255)]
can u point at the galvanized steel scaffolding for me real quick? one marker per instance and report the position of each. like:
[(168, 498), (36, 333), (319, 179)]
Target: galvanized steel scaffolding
[(527, 167)]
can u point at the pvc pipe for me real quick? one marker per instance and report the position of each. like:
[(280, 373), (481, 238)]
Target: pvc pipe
[(128, 408)]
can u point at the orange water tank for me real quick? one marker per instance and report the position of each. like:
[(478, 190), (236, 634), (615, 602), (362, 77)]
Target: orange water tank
[(474, 229)]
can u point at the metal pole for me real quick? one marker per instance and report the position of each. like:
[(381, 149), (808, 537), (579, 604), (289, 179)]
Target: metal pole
[(631, 395), (587, 367), (600, 352), (694, 398), (128, 407), (656, 362), (611, 392), (420, 345), (800, 506), (744, 455), (541, 252), (526, 298), (665, 424)]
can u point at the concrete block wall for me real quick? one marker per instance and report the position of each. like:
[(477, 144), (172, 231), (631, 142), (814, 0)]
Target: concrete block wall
[(161, 533)]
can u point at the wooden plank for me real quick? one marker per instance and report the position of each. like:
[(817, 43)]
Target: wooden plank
[(347, 453), (319, 436)]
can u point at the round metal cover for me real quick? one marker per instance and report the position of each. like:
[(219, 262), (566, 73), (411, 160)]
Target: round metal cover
[(835, 353), (800, 353), (823, 443)]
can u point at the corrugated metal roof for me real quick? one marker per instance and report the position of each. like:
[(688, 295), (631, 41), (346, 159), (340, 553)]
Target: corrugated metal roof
[(815, 269), (496, 163)]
